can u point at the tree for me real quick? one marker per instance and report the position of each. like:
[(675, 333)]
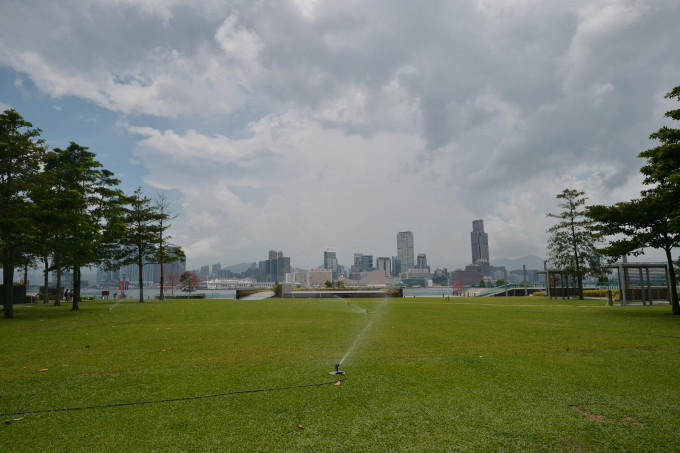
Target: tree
[(340, 284), (328, 284), (277, 289), (459, 286), (573, 240), (21, 151), (165, 252), (653, 220), (172, 281), (188, 282), (139, 240), (46, 225), (85, 195)]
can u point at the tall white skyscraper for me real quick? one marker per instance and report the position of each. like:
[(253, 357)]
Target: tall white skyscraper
[(405, 250)]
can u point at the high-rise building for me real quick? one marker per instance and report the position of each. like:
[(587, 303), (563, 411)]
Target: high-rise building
[(203, 273), (422, 262), (282, 268), (405, 250), (396, 266), (383, 263), (480, 246), (362, 263), (330, 261), (275, 268), (367, 263)]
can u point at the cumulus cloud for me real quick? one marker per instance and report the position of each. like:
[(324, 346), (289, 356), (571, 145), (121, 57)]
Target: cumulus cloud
[(312, 123)]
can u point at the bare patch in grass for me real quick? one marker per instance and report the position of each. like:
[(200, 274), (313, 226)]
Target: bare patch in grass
[(579, 351), (592, 416), (601, 418), (651, 348), (101, 373), (633, 421), (571, 443)]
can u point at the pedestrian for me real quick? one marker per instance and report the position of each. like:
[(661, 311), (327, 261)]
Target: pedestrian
[(70, 295)]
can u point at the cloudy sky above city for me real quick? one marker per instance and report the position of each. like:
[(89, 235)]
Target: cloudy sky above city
[(301, 124)]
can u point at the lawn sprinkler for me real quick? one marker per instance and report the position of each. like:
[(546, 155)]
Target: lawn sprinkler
[(337, 371)]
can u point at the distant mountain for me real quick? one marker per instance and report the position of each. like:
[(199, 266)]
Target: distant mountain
[(531, 262), (238, 268)]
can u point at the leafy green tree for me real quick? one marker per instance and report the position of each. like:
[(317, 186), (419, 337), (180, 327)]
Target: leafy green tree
[(653, 220), (85, 194), (165, 252), (140, 237), (340, 284), (21, 151), (328, 284), (45, 224), (572, 246), (277, 289)]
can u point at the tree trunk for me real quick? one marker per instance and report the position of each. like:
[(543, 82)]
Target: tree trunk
[(46, 281), (674, 288), (162, 295), (26, 276), (8, 282), (568, 293), (140, 264), (161, 252), (76, 288), (57, 299)]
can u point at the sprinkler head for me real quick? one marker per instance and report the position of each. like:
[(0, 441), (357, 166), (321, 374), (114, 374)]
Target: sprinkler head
[(337, 371)]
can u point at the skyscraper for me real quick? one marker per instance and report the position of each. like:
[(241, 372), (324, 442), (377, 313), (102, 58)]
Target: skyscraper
[(480, 246), (422, 262), (383, 263), (405, 250), (275, 268), (330, 261)]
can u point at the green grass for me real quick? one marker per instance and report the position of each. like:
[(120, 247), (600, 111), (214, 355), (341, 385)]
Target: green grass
[(515, 374)]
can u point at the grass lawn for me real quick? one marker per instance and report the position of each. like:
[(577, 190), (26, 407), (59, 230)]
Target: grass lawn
[(469, 374)]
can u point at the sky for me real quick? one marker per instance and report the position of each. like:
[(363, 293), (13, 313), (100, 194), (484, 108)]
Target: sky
[(302, 124)]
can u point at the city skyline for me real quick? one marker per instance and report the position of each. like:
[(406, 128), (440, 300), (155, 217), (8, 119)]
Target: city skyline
[(296, 124)]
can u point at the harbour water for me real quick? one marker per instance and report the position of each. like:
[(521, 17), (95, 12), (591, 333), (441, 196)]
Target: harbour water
[(152, 293)]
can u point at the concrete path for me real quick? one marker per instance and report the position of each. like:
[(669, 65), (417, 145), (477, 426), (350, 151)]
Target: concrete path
[(260, 295)]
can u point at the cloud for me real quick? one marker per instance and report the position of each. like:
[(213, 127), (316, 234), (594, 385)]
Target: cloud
[(307, 123)]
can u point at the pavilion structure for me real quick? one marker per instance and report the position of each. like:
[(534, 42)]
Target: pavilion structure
[(638, 282), (648, 288)]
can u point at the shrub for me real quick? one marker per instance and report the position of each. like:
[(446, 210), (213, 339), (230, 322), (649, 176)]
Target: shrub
[(601, 293)]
